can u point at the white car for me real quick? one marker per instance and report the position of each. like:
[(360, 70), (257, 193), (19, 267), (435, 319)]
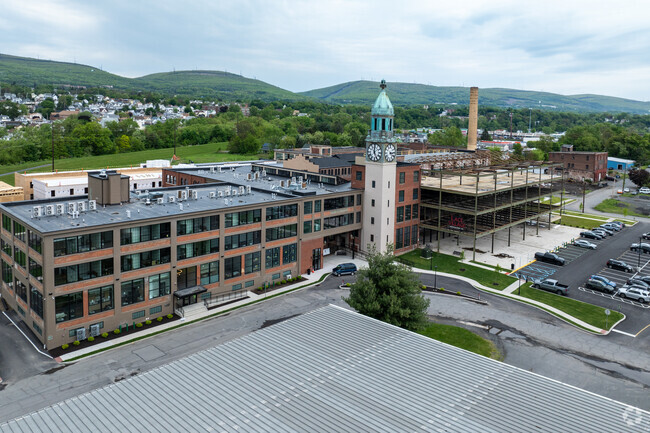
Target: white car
[(636, 293), (582, 243), (644, 190), (626, 190)]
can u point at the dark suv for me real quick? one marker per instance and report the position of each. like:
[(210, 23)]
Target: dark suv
[(619, 265), (344, 269)]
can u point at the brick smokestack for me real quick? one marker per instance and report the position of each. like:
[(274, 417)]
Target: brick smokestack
[(473, 118)]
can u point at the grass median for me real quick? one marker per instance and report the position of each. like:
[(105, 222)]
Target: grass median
[(588, 313), (453, 265), (583, 223), (461, 337), (613, 205)]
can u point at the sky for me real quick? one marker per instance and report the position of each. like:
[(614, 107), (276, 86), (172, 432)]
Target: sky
[(567, 47)]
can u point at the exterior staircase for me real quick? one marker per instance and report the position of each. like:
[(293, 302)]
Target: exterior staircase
[(191, 312)]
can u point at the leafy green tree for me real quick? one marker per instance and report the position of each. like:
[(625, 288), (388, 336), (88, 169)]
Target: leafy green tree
[(123, 143), (451, 136), (485, 135), (640, 177), (94, 139), (46, 107), (389, 291), (517, 149)]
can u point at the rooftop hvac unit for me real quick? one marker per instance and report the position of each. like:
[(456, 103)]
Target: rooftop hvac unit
[(171, 199), (225, 201), (160, 200), (182, 195), (227, 192), (37, 211), (92, 205), (49, 210), (281, 184), (213, 194), (248, 189), (299, 179), (81, 205), (289, 182), (147, 201), (128, 214), (242, 190), (81, 334), (257, 175), (293, 179), (195, 194), (72, 207), (94, 330), (304, 185), (212, 169), (249, 176), (219, 168), (219, 193), (263, 173), (234, 192), (60, 208)]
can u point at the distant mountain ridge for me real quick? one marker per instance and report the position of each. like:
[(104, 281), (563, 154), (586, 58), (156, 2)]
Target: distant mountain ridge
[(227, 86)]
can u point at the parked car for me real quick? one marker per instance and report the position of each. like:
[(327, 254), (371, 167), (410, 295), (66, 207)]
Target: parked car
[(619, 265), (612, 178), (618, 223), (604, 280), (344, 269), (551, 286), (549, 258), (620, 191), (610, 226), (603, 232), (646, 236), (626, 190), (636, 293), (643, 247), (644, 278), (600, 286), (591, 235), (638, 282), (584, 244), (644, 190)]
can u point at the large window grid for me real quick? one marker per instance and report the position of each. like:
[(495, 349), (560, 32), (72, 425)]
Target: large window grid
[(338, 202), (6, 223), (232, 267), (132, 291), (83, 271), (338, 221), (278, 212), (252, 262), (272, 258), (152, 232), (281, 232), (36, 301), (242, 240), (145, 259), (160, 285), (100, 299), (197, 225), (244, 217), (35, 242), (35, 270), (209, 273), (196, 249), (6, 247), (20, 257), (7, 274), (21, 289), (19, 231), (68, 307), (289, 253), (83, 243)]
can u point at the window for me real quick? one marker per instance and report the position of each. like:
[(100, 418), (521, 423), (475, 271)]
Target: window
[(338, 221), (100, 299), (306, 227), (37, 328), (399, 239), (83, 271), (289, 253), (407, 213), (416, 176), (372, 202), (400, 214), (242, 240), (372, 238), (186, 277), (372, 220), (68, 307), (209, 273), (252, 262), (338, 202), (6, 223), (19, 231), (7, 274), (146, 259), (197, 225), (196, 249), (83, 243), (358, 217), (36, 301), (244, 217), (132, 291), (6, 247), (414, 235), (317, 206), (137, 314), (317, 225), (249, 283), (276, 276), (236, 287), (160, 285), (156, 310), (281, 232), (35, 242), (272, 258), (358, 175), (358, 199), (232, 267), (21, 290), (416, 192), (20, 257), (401, 196), (308, 206), (134, 235), (278, 212), (407, 236), (402, 177)]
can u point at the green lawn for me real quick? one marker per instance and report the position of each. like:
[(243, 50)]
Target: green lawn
[(588, 313), (613, 205), (452, 265), (586, 215), (583, 223), (461, 337), (211, 152)]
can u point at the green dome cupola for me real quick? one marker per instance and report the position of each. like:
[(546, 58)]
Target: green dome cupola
[(382, 115)]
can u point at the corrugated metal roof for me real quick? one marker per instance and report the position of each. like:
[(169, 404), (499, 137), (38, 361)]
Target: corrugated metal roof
[(333, 370)]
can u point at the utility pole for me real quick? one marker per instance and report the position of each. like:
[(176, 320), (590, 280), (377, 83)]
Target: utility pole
[(530, 118), (584, 184), (52, 140), (511, 125)]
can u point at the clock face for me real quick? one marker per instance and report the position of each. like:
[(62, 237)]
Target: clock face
[(389, 153), (374, 152)]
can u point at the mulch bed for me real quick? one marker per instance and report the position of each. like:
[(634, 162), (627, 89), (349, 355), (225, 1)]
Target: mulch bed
[(278, 286), (58, 351)]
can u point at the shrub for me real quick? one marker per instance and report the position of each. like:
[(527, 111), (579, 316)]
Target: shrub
[(458, 293), (169, 316), (442, 289), (260, 288), (277, 283), (65, 346), (138, 325), (117, 331), (76, 343), (91, 338), (347, 284), (159, 319), (148, 322), (283, 282), (104, 334)]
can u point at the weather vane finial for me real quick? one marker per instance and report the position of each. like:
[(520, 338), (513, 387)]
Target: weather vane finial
[(383, 84)]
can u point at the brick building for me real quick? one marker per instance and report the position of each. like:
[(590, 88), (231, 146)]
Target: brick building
[(579, 165)]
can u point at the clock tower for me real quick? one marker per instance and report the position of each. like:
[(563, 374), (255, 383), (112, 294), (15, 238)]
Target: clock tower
[(381, 170)]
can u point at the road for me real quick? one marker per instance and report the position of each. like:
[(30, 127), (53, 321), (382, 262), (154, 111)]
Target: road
[(529, 338), (26, 169)]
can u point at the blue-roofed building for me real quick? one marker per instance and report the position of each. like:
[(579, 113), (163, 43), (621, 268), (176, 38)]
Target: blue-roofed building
[(619, 163)]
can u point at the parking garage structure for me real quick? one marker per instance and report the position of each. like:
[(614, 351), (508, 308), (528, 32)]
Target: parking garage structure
[(482, 201)]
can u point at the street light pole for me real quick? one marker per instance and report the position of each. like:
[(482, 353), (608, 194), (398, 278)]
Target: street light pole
[(435, 278), (638, 267)]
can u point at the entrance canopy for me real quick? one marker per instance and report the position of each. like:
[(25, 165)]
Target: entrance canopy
[(184, 293)]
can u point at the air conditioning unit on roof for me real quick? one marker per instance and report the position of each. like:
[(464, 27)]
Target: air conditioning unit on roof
[(92, 205), (60, 208), (37, 211)]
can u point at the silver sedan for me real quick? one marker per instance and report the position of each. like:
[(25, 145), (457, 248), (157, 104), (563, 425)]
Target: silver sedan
[(584, 244)]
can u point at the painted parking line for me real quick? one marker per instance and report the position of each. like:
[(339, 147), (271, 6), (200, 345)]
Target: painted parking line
[(646, 327), (613, 297), (625, 333)]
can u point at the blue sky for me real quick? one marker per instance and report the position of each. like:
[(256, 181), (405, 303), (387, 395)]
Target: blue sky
[(567, 47)]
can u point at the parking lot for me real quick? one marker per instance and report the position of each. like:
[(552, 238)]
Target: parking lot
[(581, 263)]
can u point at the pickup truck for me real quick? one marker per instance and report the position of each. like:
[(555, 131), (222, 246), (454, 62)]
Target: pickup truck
[(551, 286), (549, 258)]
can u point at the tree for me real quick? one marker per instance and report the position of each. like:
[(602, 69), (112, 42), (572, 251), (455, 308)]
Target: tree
[(485, 135), (46, 107), (640, 177), (389, 291)]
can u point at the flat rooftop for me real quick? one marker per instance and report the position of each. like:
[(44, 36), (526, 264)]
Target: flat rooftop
[(334, 370), (264, 191), (487, 182)]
